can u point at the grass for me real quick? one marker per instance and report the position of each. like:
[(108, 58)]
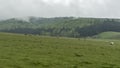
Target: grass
[(109, 35), (28, 51)]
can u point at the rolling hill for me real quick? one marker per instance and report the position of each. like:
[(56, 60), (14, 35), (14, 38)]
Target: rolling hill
[(60, 26), (108, 35)]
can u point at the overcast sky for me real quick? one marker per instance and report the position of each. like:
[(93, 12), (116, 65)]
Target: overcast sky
[(56, 8)]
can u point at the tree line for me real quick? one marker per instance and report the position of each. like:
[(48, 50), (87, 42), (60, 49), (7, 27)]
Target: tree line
[(63, 26)]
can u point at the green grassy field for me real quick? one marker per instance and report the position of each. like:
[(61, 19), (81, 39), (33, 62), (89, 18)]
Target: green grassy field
[(109, 35), (20, 51)]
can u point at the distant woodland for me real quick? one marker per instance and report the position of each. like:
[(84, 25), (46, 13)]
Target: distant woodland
[(60, 26)]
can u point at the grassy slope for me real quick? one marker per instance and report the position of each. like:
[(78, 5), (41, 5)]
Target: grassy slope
[(109, 35), (19, 51)]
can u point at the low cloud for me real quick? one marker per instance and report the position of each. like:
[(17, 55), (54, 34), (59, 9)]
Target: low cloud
[(53, 8)]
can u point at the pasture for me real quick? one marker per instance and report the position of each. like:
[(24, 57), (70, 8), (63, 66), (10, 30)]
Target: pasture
[(28, 51)]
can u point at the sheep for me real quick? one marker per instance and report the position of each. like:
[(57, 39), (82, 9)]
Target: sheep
[(111, 43)]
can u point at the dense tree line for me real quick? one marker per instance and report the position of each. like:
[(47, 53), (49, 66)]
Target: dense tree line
[(99, 28), (61, 26)]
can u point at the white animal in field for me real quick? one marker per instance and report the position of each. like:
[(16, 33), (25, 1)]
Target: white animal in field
[(111, 43)]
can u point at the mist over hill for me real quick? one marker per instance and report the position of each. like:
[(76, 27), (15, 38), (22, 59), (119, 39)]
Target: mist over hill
[(60, 26)]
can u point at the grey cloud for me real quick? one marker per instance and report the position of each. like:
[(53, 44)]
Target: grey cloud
[(52, 8)]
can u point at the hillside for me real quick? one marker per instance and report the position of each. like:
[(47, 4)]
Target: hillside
[(60, 26), (108, 35), (29, 51)]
